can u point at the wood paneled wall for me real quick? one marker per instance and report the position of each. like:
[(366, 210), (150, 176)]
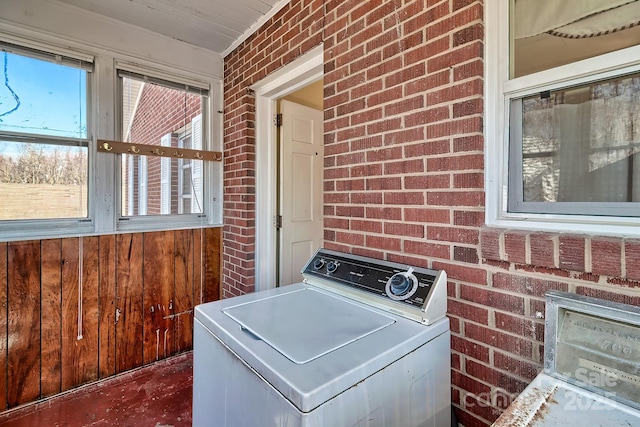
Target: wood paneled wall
[(76, 310)]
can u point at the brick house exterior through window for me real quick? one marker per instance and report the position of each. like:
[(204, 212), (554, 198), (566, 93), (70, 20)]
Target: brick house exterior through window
[(169, 117)]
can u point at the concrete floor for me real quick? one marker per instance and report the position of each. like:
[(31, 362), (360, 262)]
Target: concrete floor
[(157, 395)]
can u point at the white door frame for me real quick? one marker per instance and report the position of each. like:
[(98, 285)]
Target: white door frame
[(293, 76)]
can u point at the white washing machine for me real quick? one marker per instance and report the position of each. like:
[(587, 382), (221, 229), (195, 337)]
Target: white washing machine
[(591, 374), (360, 342)]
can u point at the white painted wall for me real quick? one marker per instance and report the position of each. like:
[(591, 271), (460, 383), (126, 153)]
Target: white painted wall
[(311, 96), (62, 23)]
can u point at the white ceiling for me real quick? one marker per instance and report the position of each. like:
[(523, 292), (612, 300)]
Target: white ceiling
[(217, 25)]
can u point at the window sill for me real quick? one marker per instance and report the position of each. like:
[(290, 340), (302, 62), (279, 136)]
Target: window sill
[(576, 224), (37, 230), (159, 223), (11, 231)]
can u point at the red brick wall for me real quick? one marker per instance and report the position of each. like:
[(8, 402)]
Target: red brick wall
[(505, 342), (159, 112), (404, 181), (293, 31)]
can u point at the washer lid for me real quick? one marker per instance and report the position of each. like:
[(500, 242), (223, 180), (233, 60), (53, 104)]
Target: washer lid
[(307, 324)]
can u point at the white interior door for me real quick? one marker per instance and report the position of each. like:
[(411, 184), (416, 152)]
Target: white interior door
[(301, 188)]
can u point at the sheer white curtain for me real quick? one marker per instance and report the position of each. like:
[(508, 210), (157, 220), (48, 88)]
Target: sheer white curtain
[(574, 18), (593, 145)]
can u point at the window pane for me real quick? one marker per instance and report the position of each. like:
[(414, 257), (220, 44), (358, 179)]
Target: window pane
[(186, 204), (550, 33), (145, 193), (43, 98), (39, 181), (582, 144), (171, 119)]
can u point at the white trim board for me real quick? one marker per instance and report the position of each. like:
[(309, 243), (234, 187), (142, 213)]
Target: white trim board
[(299, 73)]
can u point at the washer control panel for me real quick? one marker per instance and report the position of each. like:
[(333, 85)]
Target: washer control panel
[(393, 281)]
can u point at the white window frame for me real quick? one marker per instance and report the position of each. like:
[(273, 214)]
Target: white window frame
[(198, 140), (130, 189), (177, 220), (193, 131), (104, 177), (499, 90), (165, 178), (182, 168), (143, 191), (19, 229)]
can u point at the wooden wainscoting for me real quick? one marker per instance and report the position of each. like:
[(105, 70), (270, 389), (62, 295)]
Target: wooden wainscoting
[(76, 310)]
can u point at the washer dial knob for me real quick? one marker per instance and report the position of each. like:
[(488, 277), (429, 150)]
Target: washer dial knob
[(318, 263), (332, 266), (401, 286)]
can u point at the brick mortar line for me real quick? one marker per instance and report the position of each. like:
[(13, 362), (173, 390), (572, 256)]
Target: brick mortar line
[(490, 346), (500, 291), (492, 366), (403, 115), (601, 284), (449, 155), (449, 85), (588, 260), (623, 258), (398, 160), (556, 251), (492, 386)]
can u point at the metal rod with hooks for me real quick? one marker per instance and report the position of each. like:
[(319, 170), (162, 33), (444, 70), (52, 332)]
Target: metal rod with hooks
[(119, 147)]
